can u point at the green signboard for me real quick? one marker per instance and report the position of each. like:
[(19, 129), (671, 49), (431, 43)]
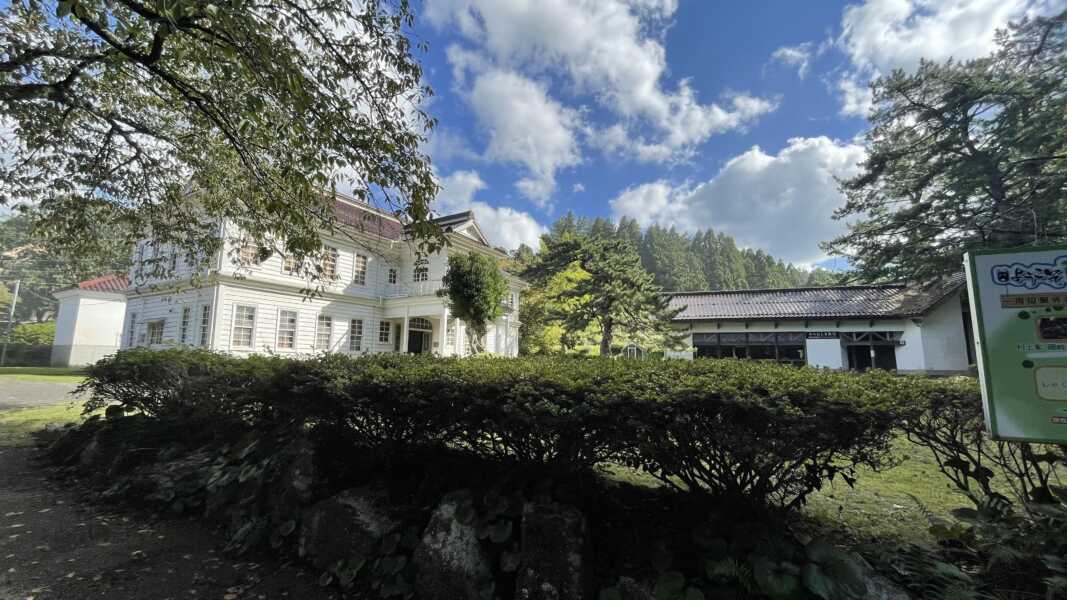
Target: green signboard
[(1019, 310)]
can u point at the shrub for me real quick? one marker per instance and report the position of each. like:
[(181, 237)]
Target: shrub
[(749, 431)]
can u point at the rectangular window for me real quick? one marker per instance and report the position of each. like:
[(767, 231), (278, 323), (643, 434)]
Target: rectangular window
[(421, 271), (290, 266), (287, 329), (205, 324), (187, 315), (323, 329), (392, 276), (248, 253), (244, 324), (450, 335), (355, 335), (131, 337), (329, 262), (359, 276), (383, 331), (155, 332)]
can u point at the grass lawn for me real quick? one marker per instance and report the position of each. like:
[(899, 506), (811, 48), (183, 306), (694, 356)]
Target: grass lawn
[(17, 424), (879, 506), (45, 374)]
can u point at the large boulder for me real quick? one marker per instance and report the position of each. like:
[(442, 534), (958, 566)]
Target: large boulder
[(340, 533), (291, 490), (554, 547), (451, 564)]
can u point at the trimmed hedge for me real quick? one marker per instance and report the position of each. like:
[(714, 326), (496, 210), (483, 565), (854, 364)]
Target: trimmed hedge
[(750, 431)]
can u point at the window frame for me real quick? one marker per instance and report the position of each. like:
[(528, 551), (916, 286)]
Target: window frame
[(157, 326), (385, 331), (329, 331), (131, 337), (252, 328), (331, 256), (183, 326), (205, 325), (353, 336), (279, 330), (360, 264), (394, 276)]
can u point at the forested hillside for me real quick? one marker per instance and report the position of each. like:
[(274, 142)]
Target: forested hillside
[(705, 260)]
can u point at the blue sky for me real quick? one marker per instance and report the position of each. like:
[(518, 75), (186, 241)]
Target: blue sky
[(730, 115)]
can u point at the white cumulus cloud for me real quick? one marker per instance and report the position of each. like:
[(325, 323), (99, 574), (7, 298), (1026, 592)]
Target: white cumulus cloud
[(881, 35), (781, 203), (526, 127), (504, 226), (605, 48)]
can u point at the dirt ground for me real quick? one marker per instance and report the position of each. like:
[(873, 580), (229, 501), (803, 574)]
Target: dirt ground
[(54, 543)]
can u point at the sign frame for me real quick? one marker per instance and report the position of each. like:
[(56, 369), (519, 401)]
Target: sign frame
[(983, 342)]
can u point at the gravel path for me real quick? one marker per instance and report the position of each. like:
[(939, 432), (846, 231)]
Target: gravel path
[(56, 545), (15, 393)]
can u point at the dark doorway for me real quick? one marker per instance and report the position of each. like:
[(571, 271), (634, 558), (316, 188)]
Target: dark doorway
[(418, 342), (859, 358), (877, 356)]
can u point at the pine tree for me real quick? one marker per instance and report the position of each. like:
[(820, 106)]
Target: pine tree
[(617, 296)]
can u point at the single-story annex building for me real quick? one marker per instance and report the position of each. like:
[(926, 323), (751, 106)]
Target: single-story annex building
[(89, 320), (918, 328)]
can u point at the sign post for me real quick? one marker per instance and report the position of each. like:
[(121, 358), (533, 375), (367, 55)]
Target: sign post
[(1019, 311)]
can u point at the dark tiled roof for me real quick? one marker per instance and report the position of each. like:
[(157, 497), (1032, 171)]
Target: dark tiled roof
[(107, 283), (454, 219), (368, 221), (835, 302)]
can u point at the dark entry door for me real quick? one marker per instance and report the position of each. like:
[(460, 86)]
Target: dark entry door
[(859, 358), (415, 342)]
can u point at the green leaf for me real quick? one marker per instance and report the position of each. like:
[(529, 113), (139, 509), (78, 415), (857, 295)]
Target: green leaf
[(776, 579), (669, 586), (500, 531)]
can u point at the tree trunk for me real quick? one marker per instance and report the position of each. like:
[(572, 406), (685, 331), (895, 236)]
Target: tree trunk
[(607, 336), (474, 341)]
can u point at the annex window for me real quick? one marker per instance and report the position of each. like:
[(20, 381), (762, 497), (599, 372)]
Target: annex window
[(383, 331), (131, 336), (329, 262), (392, 276), (323, 330), (783, 347), (359, 275), (355, 335), (244, 323), (450, 334), (287, 329), (187, 316), (205, 324), (155, 332)]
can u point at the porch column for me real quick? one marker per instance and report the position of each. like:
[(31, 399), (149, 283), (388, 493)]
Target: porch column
[(461, 336), (404, 333), (443, 334)]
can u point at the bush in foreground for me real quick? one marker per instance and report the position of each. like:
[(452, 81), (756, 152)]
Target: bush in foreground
[(745, 431)]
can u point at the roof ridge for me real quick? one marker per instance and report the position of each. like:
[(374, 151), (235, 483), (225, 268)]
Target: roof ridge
[(862, 286)]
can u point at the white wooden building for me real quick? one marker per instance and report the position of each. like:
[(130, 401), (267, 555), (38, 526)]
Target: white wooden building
[(381, 296), (89, 320), (910, 328)]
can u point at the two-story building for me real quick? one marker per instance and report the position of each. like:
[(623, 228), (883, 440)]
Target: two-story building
[(376, 295)]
